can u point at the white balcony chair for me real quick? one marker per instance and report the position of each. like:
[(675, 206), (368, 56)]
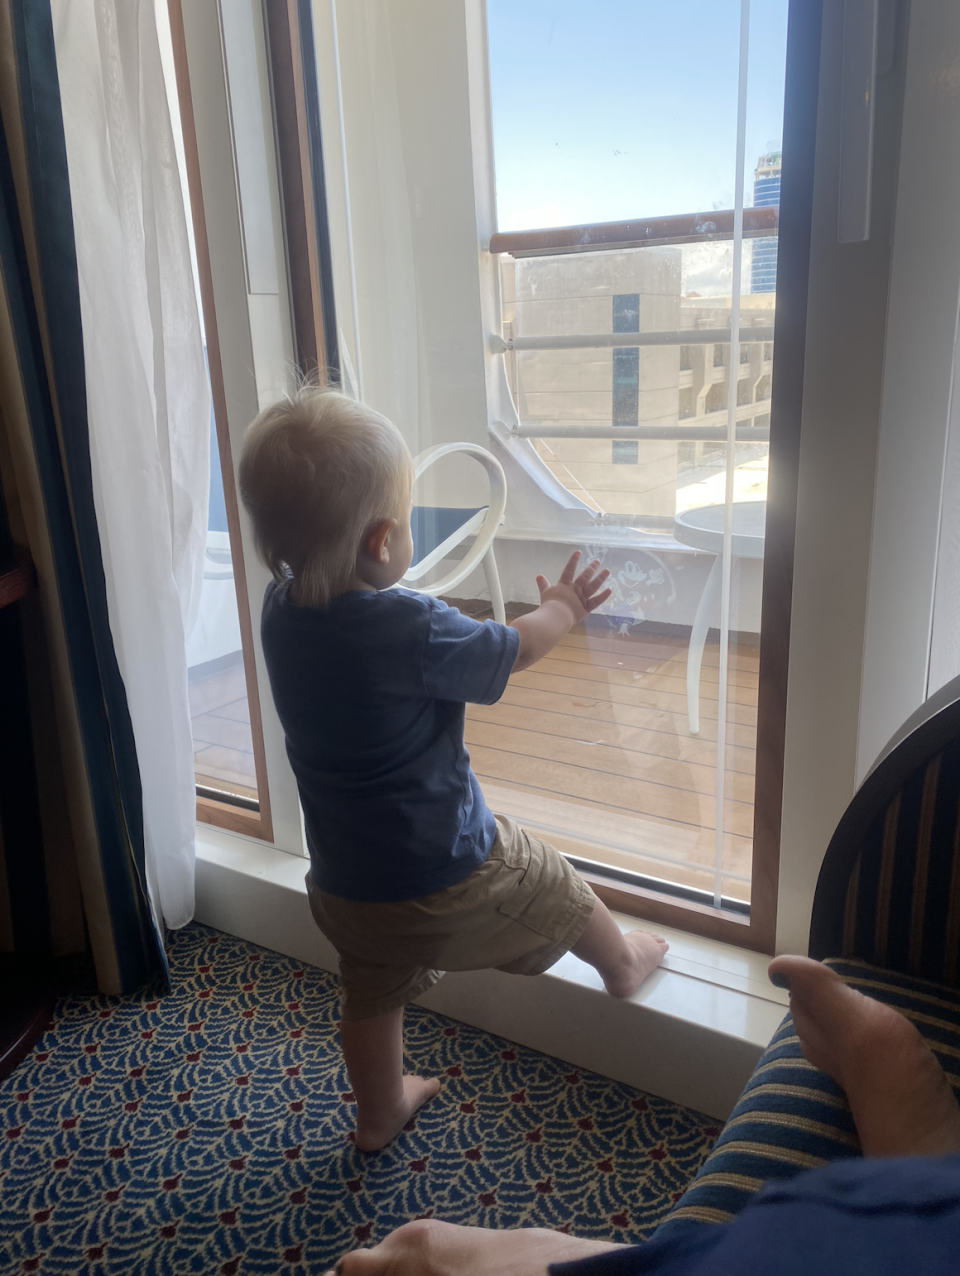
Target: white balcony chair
[(438, 529)]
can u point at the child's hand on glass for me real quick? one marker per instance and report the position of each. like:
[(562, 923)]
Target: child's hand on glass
[(580, 593)]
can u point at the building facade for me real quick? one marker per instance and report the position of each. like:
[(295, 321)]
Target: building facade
[(766, 193)]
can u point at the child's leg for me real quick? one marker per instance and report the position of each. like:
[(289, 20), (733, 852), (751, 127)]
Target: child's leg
[(623, 961), (386, 1099)]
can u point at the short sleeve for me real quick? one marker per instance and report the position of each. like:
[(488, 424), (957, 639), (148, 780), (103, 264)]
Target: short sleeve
[(466, 660)]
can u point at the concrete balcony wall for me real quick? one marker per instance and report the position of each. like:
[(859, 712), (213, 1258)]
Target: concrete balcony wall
[(671, 601)]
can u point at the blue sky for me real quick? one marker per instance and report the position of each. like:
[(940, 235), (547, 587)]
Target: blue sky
[(610, 109)]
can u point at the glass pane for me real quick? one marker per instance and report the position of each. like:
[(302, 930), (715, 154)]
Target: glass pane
[(222, 740), (220, 717), (633, 742)]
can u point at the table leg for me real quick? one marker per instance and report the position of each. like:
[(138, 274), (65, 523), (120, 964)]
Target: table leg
[(493, 584), (698, 636)]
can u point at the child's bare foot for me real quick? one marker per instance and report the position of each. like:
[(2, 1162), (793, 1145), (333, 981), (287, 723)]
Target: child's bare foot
[(623, 962), (645, 952), (376, 1130), (900, 1099)]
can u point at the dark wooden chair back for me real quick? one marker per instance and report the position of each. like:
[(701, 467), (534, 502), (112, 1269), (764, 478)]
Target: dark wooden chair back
[(889, 887)]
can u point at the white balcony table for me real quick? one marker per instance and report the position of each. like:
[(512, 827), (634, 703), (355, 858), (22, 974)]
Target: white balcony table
[(702, 528)]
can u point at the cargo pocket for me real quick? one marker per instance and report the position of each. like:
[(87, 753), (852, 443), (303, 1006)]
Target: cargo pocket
[(523, 901)]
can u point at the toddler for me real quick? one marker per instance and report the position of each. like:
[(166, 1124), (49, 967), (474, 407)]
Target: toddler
[(410, 873)]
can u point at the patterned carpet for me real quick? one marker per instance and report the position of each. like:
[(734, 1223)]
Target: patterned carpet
[(210, 1132)]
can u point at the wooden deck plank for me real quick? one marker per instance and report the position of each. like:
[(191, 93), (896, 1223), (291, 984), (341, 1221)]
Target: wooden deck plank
[(637, 796), (624, 657), (590, 693), (216, 689), (661, 679), (740, 656), (210, 728), (227, 766), (602, 759), (632, 834), (593, 742), (668, 678), (512, 710), (596, 709), (236, 711)]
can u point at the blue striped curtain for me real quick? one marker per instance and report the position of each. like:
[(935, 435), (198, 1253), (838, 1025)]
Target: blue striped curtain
[(72, 874)]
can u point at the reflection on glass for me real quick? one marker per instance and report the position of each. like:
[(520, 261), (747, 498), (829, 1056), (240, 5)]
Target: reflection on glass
[(635, 738), (222, 741), (607, 751)]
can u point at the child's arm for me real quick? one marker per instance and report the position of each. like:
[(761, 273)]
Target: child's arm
[(562, 606)]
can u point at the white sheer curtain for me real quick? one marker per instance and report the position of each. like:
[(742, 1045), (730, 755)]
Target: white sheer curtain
[(147, 397), (945, 629)]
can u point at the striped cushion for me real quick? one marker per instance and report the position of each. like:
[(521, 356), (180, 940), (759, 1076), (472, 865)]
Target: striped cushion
[(792, 1117)]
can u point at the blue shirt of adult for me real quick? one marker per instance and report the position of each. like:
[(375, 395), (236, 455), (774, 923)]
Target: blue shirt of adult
[(371, 692), (854, 1217)]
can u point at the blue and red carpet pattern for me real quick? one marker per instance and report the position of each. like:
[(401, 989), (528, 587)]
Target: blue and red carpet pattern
[(210, 1132)]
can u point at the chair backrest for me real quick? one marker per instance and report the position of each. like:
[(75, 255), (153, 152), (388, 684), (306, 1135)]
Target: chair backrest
[(452, 525), (889, 886)]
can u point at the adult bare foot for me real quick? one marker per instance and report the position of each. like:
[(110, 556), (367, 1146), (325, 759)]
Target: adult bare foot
[(431, 1248), (375, 1130), (645, 952), (901, 1102)]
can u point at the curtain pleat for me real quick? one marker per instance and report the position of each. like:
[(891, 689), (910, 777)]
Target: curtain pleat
[(147, 398), (80, 738)]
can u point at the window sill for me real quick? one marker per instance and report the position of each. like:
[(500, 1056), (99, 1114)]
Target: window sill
[(692, 1034)]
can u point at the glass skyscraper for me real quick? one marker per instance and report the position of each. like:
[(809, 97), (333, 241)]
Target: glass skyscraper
[(766, 191)]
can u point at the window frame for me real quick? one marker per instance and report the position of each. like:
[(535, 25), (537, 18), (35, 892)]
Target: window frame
[(238, 348), (233, 817), (310, 282), (793, 219)]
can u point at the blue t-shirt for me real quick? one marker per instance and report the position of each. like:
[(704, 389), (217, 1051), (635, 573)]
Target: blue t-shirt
[(370, 691)]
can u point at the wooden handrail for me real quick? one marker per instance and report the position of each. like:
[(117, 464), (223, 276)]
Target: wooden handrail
[(687, 228)]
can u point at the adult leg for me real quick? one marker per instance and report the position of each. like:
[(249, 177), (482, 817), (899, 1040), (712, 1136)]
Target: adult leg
[(429, 1248), (899, 1095), (386, 1099), (623, 961), (901, 1102)]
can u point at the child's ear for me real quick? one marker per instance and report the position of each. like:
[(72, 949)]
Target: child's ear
[(377, 540)]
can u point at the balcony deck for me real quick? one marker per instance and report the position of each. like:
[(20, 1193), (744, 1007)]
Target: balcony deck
[(222, 747), (590, 746)]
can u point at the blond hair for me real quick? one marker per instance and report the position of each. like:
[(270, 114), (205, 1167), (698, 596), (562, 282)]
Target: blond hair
[(317, 471)]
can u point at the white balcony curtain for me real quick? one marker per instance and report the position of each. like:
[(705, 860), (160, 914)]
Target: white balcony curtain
[(147, 397)]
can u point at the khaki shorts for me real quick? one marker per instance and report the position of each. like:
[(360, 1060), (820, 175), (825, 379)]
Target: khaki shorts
[(522, 909)]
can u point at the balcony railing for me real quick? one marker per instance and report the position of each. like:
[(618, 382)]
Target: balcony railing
[(687, 228), (681, 433), (608, 340)]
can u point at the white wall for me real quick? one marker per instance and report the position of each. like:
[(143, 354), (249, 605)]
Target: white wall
[(945, 638), (917, 387)]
